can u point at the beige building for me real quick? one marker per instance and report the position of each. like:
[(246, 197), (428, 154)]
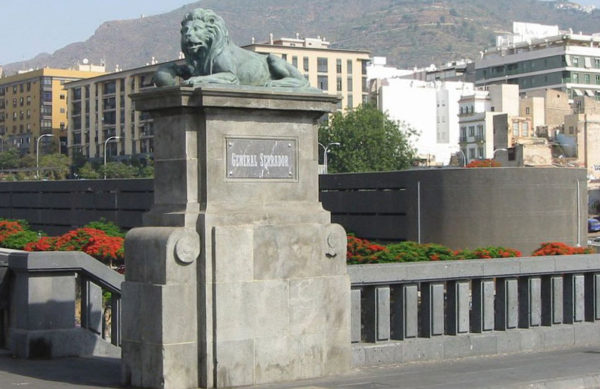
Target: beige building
[(556, 106), (34, 103), (100, 110), (335, 71), (585, 137)]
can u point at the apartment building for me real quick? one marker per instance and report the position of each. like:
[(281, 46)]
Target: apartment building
[(489, 120), (431, 108), (334, 71), (34, 103), (101, 114), (539, 57)]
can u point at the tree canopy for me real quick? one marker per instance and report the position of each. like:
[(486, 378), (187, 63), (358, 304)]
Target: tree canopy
[(369, 141)]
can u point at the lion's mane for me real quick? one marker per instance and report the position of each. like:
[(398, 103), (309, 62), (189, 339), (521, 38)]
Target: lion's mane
[(214, 26)]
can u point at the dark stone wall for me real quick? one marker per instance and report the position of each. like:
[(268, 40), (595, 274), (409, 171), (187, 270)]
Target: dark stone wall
[(462, 208)]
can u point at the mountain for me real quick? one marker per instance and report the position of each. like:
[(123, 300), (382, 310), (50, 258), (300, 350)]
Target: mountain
[(409, 32)]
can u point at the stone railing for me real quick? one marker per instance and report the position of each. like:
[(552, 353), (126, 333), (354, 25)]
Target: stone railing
[(44, 290), (405, 312)]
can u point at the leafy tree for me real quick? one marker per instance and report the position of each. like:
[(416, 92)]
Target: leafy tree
[(9, 159), (57, 166), (27, 160), (88, 171), (119, 170), (369, 141)]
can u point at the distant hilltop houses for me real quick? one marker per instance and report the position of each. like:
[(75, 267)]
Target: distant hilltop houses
[(533, 99), (570, 6)]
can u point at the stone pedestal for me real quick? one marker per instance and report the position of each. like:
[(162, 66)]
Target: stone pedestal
[(236, 172)]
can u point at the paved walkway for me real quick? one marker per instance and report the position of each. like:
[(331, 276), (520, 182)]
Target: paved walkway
[(578, 368)]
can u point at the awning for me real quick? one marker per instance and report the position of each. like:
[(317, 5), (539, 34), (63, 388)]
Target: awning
[(578, 92), (589, 92)]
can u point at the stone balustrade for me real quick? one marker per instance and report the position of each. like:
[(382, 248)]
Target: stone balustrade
[(405, 312), (43, 293)]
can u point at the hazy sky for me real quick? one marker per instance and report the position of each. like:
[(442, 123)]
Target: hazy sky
[(30, 27)]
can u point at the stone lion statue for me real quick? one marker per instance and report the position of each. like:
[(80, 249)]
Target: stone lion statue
[(212, 58)]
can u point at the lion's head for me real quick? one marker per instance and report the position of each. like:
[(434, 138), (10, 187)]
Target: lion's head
[(203, 37)]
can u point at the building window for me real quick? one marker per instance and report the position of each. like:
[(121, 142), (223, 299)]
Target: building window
[(322, 82), (322, 65), (295, 61), (480, 152), (575, 77), (29, 86), (349, 66), (586, 78), (349, 83), (28, 100), (363, 66), (110, 87), (305, 63), (463, 134), (338, 84), (525, 128), (62, 97), (526, 110), (350, 101), (338, 65), (47, 81), (47, 96), (575, 61), (471, 130), (471, 153), (515, 129), (480, 131), (284, 57)]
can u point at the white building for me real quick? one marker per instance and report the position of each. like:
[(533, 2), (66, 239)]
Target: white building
[(431, 108), (476, 119), (378, 69)]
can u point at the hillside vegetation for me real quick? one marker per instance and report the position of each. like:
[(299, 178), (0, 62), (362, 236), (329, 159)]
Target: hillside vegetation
[(409, 32)]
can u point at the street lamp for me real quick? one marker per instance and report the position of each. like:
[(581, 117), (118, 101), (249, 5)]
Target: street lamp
[(105, 144), (325, 151), (464, 157), (37, 155), (494, 153)]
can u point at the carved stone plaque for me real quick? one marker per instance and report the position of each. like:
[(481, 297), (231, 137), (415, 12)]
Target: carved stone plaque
[(261, 158)]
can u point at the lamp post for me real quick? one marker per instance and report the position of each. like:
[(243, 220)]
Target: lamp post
[(464, 157), (494, 153), (37, 155), (105, 144), (325, 151)]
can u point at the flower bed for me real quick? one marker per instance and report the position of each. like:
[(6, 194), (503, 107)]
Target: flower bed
[(103, 242), (362, 251)]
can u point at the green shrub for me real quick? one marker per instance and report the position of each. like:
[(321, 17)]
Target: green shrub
[(17, 241), (109, 228)]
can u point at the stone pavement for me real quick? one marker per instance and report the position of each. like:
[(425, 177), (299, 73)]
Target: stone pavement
[(574, 368)]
